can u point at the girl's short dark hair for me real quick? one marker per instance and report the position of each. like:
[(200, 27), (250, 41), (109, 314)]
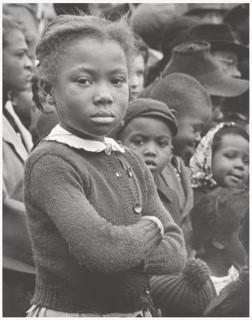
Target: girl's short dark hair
[(217, 214), (10, 24), (64, 29), (231, 129)]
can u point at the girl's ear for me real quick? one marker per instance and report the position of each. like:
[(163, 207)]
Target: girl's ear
[(45, 90), (218, 244)]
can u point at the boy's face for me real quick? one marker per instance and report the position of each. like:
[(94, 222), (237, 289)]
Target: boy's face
[(230, 163), (17, 66), (151, 139), (190, 127), (136, 81), (91, 90)]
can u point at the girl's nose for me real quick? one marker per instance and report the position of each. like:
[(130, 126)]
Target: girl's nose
[(134, 81), (28, 62), (103, 94), (150, 149), (240, 164)]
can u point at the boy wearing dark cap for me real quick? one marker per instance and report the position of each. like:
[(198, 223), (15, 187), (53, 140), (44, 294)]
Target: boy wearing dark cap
[(193, 110), (149, 127)]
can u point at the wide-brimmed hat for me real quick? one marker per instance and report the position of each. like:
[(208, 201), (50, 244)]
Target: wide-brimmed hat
[(197, 8), (194, 58), (221, 37), (146, 107)]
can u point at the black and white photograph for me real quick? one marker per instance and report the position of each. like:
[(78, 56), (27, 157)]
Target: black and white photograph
[(125, 159)]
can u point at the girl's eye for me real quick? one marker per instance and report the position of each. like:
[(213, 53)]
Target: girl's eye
[(246, 160), (138, 142), (84, 81), (230, 155), (163, 144), (118, 82), (20, 54)]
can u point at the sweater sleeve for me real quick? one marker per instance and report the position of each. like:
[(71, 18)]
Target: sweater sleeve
[(54, 187), (170, 255)]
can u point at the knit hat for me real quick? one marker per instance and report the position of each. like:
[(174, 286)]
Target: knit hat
[(146, 107), (183, 294), (194, 58), (221, 37)]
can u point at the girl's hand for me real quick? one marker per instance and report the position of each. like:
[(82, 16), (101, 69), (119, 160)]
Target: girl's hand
[(152, 234)]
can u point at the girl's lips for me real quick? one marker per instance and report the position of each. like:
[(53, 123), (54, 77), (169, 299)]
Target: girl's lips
[(151, 164), (103, 119), (236, 179)]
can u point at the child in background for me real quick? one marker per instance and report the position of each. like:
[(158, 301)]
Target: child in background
[(137, 77), (94, 215), (18, 267), (148, 129), (216, 224), (193, 109), (221, 159), (192, 106), (233, 300)]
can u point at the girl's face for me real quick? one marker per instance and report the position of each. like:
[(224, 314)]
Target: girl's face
[(137, 77), (91, 90), (151, 139), (230, 163), (17, 66)]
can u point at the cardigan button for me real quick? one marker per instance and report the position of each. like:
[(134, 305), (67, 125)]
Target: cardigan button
[(130, 174), (138, 208)]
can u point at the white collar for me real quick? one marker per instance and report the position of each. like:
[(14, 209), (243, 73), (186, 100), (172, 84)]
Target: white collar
[(61, 135), (221, 282)]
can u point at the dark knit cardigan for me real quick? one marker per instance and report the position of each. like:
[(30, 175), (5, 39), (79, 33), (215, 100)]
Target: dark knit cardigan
[(83, 209)]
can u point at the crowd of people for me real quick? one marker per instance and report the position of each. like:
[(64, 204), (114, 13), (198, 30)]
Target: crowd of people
[(125, 160)]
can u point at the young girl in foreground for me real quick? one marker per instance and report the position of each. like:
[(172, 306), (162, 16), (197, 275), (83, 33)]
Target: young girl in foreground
[(95, 218)]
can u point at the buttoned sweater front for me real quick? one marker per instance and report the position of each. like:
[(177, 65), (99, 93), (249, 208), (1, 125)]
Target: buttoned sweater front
[(82, 210)]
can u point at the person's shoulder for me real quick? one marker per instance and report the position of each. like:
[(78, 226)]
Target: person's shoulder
[(50, 147), (233, 301), (49, 150)]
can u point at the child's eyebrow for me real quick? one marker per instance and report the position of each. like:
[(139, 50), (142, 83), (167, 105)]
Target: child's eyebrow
[(94, 71)]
